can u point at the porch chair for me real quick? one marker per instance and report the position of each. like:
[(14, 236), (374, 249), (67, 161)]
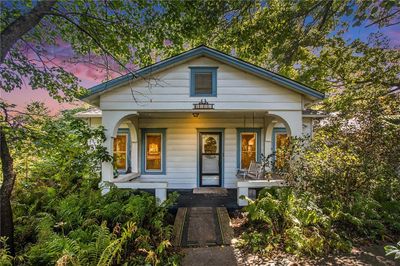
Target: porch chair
[(255, 171)]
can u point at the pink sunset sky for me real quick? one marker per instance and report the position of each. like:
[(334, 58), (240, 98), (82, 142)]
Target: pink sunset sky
[(90, 75)]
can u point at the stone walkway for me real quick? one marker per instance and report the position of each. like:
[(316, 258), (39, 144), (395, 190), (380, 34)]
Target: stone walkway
[(205, 235), (209, 256), (202, 227)]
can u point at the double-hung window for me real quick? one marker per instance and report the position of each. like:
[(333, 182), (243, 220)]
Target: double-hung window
[(248, 146), (153, 151), (121, 150), (203, 81)]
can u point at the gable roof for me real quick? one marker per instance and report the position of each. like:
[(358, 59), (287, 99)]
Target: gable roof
[(212, 53)]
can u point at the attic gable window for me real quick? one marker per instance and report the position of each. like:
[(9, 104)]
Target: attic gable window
[(203, 81)]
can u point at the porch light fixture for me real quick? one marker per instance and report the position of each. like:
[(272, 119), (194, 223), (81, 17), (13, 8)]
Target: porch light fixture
[(203, 105), (195, 114)]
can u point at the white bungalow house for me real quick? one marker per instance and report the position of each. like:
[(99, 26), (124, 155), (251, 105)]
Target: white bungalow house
[(194, 119)]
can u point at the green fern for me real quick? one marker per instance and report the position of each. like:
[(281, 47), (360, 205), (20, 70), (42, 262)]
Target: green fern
[(113, 252)]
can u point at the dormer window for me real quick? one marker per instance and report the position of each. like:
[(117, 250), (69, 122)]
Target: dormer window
[(203, 81)]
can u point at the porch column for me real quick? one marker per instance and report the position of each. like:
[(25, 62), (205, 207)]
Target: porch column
[(110, 121), (242, 191)]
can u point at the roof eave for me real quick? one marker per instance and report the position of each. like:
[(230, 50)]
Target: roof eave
[(201, 51)]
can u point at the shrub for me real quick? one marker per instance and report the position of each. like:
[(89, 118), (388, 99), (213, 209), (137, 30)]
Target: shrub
[(393, 250), (281, 218), (86, 228)]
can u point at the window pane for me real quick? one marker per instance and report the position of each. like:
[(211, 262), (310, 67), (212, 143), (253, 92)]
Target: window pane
[(210, 143), (203, 83), (210, 164), (120, 148), (282, 141), (248, 149), (153, 151)]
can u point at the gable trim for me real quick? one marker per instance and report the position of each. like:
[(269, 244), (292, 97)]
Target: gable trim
[(201, 51)]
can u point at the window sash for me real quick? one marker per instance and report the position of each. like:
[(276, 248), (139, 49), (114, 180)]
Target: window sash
[(203, 83), (154, 152), (281, 140), (117, 151), (248, 153)]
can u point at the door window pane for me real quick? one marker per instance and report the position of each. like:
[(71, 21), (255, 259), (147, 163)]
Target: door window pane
[(153, 151), (210, 164), (120, 152), (248, 149), (210, 180), (210, 143)]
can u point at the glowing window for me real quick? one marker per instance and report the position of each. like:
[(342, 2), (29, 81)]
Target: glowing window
[(282, 142), (248, 151), (153, 152), (120, 152)]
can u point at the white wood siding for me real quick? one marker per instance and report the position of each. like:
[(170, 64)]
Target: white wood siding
[(170, 90), (182, 148)]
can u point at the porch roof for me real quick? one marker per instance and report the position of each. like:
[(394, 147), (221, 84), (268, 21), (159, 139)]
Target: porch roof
[(212, 53)]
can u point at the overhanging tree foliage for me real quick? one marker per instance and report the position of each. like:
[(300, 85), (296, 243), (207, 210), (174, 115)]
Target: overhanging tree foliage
[(301, 39)]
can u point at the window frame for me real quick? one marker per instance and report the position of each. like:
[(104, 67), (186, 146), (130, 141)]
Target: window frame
[(162, 132), (239, 132), (120, 132), (194, 71), (275, 132)]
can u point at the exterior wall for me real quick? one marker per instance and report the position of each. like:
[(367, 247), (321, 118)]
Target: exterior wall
[(182, 141), (163, 101), (307, 126), (170, 90), (182, 148)]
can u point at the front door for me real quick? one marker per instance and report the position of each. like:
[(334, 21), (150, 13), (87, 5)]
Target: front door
[(210, 159)]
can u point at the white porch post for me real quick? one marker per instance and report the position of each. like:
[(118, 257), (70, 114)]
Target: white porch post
[(107, 167), (242, 191), (110, 121), (161, 195)]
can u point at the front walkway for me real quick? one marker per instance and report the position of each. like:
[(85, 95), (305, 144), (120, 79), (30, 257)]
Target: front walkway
[(209, 256), (205, 235), (202, 227)]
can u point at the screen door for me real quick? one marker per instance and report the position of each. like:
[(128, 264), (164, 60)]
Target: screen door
[(210, 159)]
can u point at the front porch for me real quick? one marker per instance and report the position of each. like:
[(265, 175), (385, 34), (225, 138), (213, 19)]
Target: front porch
[(229, 198), (180, 151)]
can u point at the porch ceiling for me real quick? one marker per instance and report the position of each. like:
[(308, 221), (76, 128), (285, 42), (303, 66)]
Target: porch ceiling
[(204, 114)]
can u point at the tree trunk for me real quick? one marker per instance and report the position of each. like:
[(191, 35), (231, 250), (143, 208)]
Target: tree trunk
[(23, 24), (6, 217)]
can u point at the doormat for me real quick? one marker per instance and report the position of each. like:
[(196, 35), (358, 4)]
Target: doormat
[(211, 190)]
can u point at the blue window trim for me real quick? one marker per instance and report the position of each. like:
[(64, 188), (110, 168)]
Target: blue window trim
[(128, 149), (163, 150), (206, 130), (239, 143), (194, 71)]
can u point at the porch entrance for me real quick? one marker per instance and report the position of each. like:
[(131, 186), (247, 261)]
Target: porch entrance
[(210, 157)]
